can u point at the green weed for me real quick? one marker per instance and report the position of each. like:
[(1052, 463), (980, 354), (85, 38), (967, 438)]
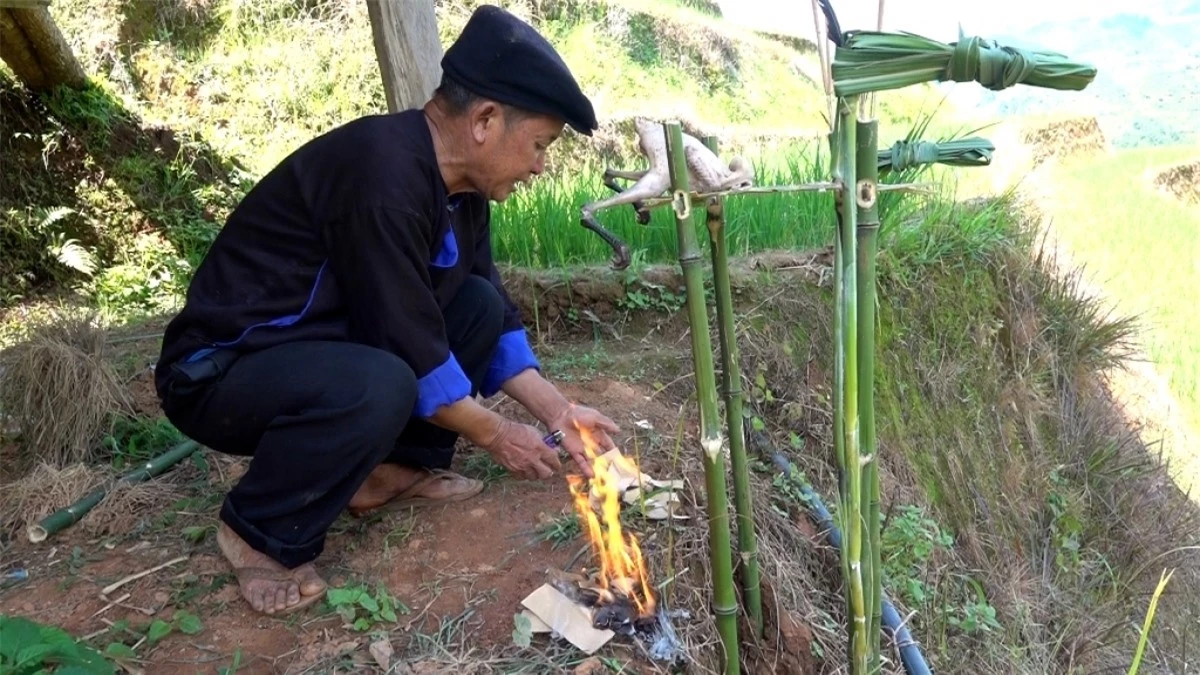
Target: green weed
[(362, 609), (27, 648), (562, 530), (910, 539), (135, 440)]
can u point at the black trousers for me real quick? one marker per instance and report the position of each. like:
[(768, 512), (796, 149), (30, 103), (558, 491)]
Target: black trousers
[(317, 417)]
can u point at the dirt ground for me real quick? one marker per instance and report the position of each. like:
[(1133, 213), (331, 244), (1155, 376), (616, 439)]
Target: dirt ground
[(460, 570)]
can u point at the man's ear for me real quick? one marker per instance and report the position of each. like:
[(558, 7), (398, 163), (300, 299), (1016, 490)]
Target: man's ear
[(486, 121)]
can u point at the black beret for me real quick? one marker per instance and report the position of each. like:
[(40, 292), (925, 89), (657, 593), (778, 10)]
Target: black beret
[(502, 58)]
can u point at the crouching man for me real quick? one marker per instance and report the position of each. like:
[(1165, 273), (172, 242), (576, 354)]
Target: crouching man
[(349, 312)]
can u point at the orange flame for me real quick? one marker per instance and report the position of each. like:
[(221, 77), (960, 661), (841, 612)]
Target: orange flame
[(622, 569)]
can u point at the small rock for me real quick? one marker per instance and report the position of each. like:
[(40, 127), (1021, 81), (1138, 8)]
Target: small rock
[(478, 513), (161, 598), (592, 666), (443, 555), (381, 651), (27, 607)]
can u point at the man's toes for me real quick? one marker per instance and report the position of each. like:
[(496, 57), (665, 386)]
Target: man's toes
[(254, 595), (310, 583), (281, 597)]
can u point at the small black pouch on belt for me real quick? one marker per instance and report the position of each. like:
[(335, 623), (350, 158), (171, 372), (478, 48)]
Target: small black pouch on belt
[(191, 374)]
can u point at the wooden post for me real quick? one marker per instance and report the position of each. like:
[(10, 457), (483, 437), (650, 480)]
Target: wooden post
[(408, 49), (32, 45)]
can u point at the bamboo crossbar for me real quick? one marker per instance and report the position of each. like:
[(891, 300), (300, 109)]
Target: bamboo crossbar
[(656, 202)]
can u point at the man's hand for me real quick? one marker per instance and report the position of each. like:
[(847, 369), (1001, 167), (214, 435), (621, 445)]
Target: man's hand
[(520, 449), (598, 427), (541, 398)]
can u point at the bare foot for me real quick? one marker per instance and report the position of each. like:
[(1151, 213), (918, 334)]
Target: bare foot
[(382, 484), (268, 586), (417, 486)]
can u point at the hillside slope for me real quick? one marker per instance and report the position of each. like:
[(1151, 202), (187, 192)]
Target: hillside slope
[(202, 96)]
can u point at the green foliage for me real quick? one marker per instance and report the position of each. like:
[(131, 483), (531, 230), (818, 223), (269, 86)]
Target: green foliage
[(138, 439), (362, 609), (132, 638), (910, 540), (30, 648), (115, 211), (560, 531)]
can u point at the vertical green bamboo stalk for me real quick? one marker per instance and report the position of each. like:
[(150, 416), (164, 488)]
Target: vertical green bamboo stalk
[(731, 387), (851, 510), (839, 362), (724, 600), (867, 202)]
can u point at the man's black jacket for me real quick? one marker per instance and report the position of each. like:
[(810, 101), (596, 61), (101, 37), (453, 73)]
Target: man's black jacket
[(352, 237)]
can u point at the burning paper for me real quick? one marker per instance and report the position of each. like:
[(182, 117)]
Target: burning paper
[(657, 499), (622, 578), (559, 614), (588, 609)]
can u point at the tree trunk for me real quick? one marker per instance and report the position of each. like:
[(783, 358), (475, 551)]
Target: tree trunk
[(31, 44), (408, 50)]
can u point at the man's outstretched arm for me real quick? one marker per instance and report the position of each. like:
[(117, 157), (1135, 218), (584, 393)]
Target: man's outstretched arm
[(381, 261)]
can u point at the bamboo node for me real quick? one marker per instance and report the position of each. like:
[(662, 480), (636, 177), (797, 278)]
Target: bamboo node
[(682, 204), (866, 193), (712, 447), (725, 610)]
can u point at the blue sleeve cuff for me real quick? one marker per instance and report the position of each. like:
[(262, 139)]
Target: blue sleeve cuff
[(513, 355), (442, 386)]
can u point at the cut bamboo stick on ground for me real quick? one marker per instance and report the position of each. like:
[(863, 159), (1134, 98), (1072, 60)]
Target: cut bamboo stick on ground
[(64, 518)]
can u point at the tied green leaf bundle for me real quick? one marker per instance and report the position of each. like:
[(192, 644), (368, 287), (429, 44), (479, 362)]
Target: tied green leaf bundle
[(973, 151), (876, 61)]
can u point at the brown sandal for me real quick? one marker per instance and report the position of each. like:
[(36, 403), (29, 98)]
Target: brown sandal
[(469, 488)]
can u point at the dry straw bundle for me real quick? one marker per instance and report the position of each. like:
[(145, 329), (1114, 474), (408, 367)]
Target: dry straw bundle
[(58, 392)]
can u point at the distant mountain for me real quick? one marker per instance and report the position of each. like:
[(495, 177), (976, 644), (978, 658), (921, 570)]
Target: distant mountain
[(1147, 87)]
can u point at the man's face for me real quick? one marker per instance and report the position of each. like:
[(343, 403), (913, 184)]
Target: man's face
[(509, 151)]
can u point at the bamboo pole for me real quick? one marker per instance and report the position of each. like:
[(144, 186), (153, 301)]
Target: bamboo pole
[(64, 518), (847, 292), (731, 388), (867, 203), (724, 600), (839, 362)]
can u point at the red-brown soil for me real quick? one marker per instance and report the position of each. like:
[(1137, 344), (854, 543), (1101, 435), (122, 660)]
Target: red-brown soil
[(472, 561)]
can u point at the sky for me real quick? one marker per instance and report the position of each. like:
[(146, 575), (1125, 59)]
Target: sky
[(935, 19)]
